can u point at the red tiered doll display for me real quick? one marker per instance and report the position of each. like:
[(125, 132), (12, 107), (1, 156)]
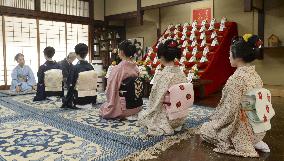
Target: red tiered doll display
[(205, 51)]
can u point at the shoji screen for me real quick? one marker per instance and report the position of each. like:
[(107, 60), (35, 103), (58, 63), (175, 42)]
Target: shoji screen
[(26, 4), (21, 37), (2, 82), (52, 34), (69, 7), (76, 33)]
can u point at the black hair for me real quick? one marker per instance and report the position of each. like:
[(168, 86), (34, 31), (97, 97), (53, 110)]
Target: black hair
[(248, 51), (49, 52), (128, 48), (81, 49), (17, 56), (169, 50)]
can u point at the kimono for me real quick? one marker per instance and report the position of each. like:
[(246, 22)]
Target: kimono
[(155, 117), (115, 105), (227, 129), (41, 94), (81, 66), (23, 77), (65, 66)]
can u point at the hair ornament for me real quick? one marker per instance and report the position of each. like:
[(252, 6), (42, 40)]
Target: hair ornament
[(247, 36), (172, 44), (259, 43)]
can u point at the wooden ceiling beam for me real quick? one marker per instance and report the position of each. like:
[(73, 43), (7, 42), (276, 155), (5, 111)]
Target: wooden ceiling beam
[(122, 16), (18, 12), (168, 4), (138, 14)]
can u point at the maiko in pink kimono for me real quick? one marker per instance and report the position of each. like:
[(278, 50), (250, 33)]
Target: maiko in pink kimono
[(115, 107)]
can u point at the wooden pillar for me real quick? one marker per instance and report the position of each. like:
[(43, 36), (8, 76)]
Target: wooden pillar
[(159, 25), (261, 25), (139, 13), (37, 5), (247, 5), (4, 50), (38, 41), (91, 29)]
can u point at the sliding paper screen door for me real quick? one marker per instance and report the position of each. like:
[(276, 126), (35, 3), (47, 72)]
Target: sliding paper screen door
[(2, 78), (52, 34), (21, 37), (76, 33)]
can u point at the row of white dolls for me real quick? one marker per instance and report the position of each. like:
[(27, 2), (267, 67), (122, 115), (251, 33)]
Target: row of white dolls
[(195, 50), (194, 26), (191, 60), (185, 51), (193, 40)]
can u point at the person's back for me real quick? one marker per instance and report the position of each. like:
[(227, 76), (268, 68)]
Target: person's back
[(81, 66), (155, 117), (228, 128), (45, 67), (81, 51), (48, 65), (116, 105)]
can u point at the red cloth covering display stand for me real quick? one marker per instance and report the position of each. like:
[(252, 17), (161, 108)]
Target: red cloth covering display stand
[(219, 68)]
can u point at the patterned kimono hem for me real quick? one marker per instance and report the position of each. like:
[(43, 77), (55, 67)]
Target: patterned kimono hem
[(152, 152), (236, 153)]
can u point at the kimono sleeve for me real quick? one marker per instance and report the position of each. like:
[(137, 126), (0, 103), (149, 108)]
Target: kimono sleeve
[(31, 79), (15, 82), (40, 75), (158, 92), (232, 102), (114, 82)]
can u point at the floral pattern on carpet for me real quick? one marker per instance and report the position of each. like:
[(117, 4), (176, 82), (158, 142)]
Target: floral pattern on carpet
[(5, 112), (53, 131), (33, 140)]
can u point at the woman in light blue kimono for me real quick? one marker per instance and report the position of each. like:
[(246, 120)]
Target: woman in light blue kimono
[(22, 76)]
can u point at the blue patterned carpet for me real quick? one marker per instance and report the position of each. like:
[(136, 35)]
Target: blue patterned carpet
[(43, 131)]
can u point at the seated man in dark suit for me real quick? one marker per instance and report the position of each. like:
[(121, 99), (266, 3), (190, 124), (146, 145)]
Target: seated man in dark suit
[(66, 65), (71, 98)]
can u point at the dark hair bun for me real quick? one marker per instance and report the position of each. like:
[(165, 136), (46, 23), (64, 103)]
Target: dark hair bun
[(170, 50), (81, 49), (128, 48), (247, 50)]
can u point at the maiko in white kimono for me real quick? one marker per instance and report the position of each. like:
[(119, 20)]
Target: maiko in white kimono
[(22, 77)]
